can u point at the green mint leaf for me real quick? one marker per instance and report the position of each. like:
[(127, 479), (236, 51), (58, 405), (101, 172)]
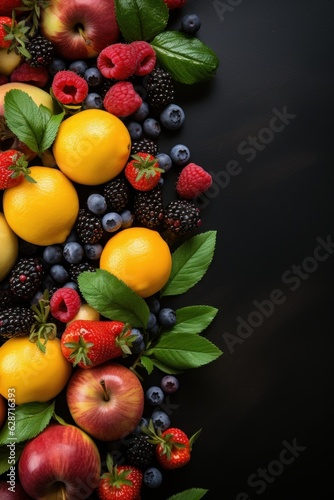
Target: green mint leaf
[(193, 319), (147, 363), (113, 298), (185, 57), (165, 368), (34, 125), (141, 19), (192, 494), (190, 262), (185, 351), (29, 420), (7, 460)]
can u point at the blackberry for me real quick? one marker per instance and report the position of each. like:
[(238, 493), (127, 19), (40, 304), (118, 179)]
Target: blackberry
[(7, 298), (76, 269), (41, 51), (144, 146), (106, 84), (140, 451), (148, 207), (88, 227), (26, 277), (117, 193), (160, 89), (16, 321), (181, 217)]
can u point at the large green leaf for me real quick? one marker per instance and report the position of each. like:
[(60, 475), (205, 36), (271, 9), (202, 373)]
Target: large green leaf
[(193, 319), (141, 19)]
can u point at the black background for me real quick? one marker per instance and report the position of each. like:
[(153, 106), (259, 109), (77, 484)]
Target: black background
[(276, 386)]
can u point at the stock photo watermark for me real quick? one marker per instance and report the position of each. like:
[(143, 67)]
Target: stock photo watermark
[(265, 476), (227, 6), (11, 440), (248, 149), (293, 279)]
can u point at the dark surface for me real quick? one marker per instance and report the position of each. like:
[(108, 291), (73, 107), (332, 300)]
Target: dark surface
[(275, 386)]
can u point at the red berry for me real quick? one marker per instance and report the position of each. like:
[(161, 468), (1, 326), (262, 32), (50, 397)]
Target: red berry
[(65, 304), (122, 100), (146, 57), (13, 167), (69, 88), (193, 180), (3, 79), (4, 21), (117, 61), (27, 74), (175, 4)]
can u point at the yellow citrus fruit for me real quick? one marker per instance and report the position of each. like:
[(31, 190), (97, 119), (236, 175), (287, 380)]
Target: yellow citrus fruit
[(44, 212), (140, 257), (9, 247), (92, 147), (33, 375)]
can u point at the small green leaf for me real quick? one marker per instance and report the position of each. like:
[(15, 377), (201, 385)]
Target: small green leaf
[(190, 262), (30, 420), (147, 363), (192, 494), (113, 298), (193, 319), (185, 57), (34, 125), (165, 368), (185, 351), (141, 19)]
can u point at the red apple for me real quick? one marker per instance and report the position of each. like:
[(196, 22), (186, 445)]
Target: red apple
[(3, 411), (60, 462), (6, 7), (106, 401), (80, 28), (12, 490)]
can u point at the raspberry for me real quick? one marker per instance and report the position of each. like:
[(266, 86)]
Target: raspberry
[(122, 100), (65, 304), (117, 61), (193, 180), (146, 57), (175, 4), (69, 88), (27, 74)]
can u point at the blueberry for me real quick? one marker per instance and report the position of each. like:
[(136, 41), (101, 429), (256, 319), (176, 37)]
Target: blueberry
[(152, 321), (93, 76), (143, 422), (73, 236), (59, 273), (73, 252), (96, 203), (160, 420), (169, 384), (152, 477), (56, 65), (190, 23), (152, 128), (172, 117), (127, 219), (154, 331), (153, 304), (167, 317), (111, 222), (53, 254), (180, 154), (165, 161), (71, 284), (138, 343), (135, 130), (79, 67), (154, 395), (93, 250), (142, 112), (93, 101)]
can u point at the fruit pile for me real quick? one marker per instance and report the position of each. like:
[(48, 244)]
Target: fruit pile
[(90, 248)]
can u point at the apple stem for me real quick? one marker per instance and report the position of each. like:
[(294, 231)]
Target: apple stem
[(82, 33), (105, 393)]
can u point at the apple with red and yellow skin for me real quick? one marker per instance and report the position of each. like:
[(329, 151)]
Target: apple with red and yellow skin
[(62, 462), (9, 61), (12, 491), (3, 411), (80, 29), (107, 401)]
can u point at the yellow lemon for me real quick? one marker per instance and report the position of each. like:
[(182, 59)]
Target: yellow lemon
[(29, 374), (92, 147), (9, 247), (44, 212), (140, 257)]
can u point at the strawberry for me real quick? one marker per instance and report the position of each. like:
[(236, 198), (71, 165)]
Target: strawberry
[(6, 6), (87, 343), (5, 21), (173, 447), (143, 172), (121, 482), (13, 167)]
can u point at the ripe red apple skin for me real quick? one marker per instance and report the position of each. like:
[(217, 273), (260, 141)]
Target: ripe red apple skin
[(105, 420), (6, 7), (80, 28), (61, 460), (15, 493)]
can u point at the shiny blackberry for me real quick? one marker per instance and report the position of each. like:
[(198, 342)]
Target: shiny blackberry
[(88, 227), (148, 207), (41, 51), (181, 217), (26, 277)]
